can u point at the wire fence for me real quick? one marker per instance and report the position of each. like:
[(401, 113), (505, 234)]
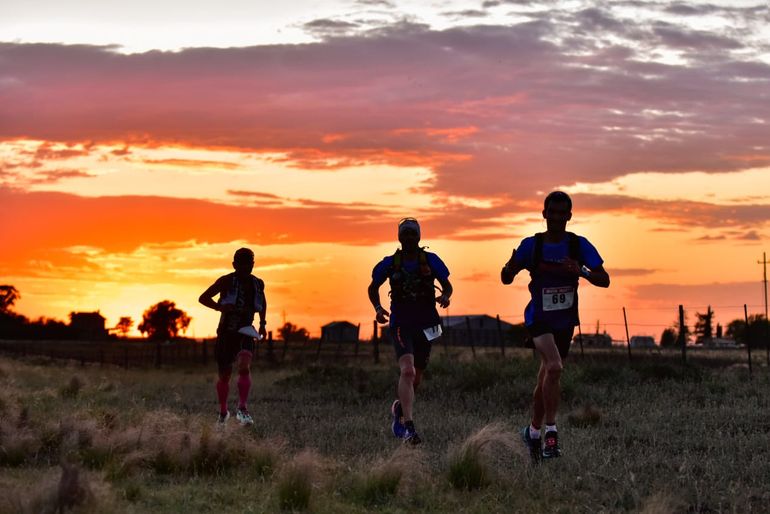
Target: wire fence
[(477, 334)]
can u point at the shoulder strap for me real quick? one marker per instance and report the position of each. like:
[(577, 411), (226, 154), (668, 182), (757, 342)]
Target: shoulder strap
[(537, 250), (574, 247), (397, 260)]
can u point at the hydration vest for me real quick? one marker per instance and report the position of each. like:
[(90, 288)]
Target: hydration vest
[(411, 287), (554, 296), (236, 294)]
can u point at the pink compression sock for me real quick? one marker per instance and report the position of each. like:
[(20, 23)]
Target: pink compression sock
[(244, 385), (223, 390)]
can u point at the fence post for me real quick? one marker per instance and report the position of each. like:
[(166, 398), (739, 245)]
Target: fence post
[(285, 347), (320, 341), (358, 340), (682, 335), (270, 356), (500, 336), (628, 339), (470, 335), (580, 338), (376, 343), (205, 352), (748, 336), (125, 357), (158, 357)]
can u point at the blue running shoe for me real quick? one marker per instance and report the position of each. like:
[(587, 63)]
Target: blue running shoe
[(411, 436), (551, 448), (533, 445), (397, 426)]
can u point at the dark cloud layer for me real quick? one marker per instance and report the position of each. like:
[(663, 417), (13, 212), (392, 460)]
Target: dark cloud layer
[(550, 101)]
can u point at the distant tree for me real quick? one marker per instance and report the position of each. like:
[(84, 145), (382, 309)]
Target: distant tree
[(719, 331), (124, 325), (8, 297), (290, 331), (164, 321), (704, 327), (756, 333), (668, 338)]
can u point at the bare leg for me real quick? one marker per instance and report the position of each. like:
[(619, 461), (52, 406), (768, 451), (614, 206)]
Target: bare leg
[(551, 384), (538, 406), (406, 384)]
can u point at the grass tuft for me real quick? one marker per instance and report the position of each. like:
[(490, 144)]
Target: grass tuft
[(295, 484), (470, 466), (382, 481)]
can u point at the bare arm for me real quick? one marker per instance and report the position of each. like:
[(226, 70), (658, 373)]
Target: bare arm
[(598, 277), (446, 292), (263, 312), (510, 269), (374, 297), (207, 298)]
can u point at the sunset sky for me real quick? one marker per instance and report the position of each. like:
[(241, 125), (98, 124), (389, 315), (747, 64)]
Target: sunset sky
[(142, 143)]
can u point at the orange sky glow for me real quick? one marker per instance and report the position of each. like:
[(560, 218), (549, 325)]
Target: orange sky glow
[(131, 178)]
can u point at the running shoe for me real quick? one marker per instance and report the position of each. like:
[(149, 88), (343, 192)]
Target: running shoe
[(411, 437), (243, 417), (397, 425), (551, 447), (533, 445), (223, 417)]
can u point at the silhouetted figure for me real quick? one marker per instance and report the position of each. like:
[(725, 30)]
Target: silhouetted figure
[(555, 259), (241, 296), (414, 321)]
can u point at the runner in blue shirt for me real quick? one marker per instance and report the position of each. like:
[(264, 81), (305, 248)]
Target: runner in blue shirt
[(414, 321), (555, 259)]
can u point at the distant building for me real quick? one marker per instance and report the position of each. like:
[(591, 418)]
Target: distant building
[(88, 325), (340, 332), (593, 340), (482, 329), (641, 342)]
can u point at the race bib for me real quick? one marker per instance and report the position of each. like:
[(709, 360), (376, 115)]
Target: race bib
[(432, 333), (558, 298)]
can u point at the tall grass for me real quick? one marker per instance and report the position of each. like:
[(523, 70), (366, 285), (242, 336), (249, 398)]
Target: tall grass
[(145, 440), (471, 466)]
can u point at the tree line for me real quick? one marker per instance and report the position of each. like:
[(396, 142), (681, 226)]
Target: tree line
[(704, 330), (160, 322)]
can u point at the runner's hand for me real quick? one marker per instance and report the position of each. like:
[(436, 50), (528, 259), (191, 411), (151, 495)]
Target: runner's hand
[(443, 301), (382, 315), (263, 331)]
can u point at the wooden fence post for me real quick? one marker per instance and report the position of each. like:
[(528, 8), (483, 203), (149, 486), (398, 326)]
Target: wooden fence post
[(748, 336), (376, 343), (580, 338), (682, 334), (628, 340), (270, 355), (285, 347), (500, 337), (470, 335)]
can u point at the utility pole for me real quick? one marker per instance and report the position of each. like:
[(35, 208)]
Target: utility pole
[(763, 262)]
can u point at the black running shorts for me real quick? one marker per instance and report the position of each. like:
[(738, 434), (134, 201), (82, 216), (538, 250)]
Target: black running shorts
[(229, 345), (563, 337), (412, 341)]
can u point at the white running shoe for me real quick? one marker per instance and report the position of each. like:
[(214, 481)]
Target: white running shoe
[(243, 417)]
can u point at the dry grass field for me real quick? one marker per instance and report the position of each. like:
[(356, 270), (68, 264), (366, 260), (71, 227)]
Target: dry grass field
[(652, 437)]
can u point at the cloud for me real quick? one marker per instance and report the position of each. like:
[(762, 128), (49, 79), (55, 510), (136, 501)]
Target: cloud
[(632, 272), (677, 212), (552, 101)]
